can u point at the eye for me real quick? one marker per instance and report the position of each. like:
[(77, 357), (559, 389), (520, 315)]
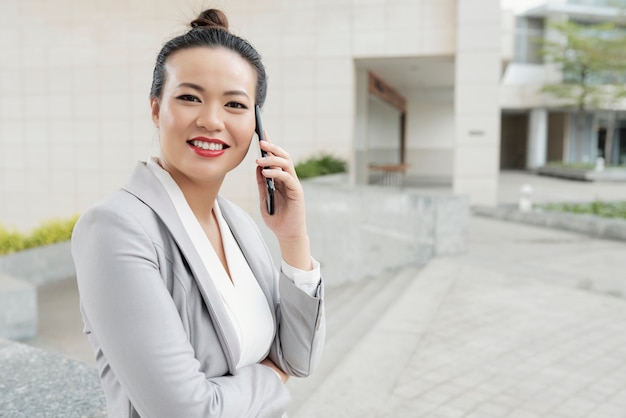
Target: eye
[(236, 105), (188, 98)]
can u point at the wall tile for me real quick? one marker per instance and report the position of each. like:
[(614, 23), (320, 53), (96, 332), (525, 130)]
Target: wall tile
[(368, 18), (334, 102), (333, 44), (298, 101), (298, 46), (10, 81), (298, 73), (477, 161), (11, 131), (12, 157), (478, 67), (297, 131), (11, 107), (333, 134), (368, 44), (334, 72)]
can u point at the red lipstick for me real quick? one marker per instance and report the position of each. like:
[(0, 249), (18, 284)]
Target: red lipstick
[(207, 147)]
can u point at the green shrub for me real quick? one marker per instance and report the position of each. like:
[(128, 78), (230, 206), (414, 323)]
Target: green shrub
[(578, 166), (320, 165), (10, 241), (49, 232), (597, 208)]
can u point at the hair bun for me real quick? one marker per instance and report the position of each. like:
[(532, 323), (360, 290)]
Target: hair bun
[(211, 18)]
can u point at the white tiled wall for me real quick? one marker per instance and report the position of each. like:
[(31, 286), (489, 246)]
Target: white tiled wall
[(75, 77), (476, 107), (74, 80)]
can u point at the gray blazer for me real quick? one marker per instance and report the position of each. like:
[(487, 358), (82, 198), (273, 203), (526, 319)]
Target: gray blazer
[(164, 343)]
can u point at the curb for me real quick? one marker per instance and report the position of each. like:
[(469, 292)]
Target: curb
[(605, 228)]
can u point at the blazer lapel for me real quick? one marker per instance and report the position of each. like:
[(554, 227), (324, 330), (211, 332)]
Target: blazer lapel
[(253, 248), (144, 185)]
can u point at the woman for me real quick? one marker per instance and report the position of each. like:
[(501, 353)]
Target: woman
[(181, 302)]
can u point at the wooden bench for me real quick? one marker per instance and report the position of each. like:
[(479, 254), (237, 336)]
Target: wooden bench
[(392, 174)]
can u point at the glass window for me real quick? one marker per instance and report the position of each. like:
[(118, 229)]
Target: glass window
[(528, 33)]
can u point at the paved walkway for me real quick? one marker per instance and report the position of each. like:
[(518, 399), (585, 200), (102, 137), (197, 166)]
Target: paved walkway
[(531, 322)]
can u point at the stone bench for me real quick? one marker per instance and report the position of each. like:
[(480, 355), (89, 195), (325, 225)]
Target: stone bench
[(36, 383)]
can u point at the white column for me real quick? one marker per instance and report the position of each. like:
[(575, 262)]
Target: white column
[(537, 141), (360, 172), (476, 101)]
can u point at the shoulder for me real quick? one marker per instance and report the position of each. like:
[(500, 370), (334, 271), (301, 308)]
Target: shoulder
[(120, 214)]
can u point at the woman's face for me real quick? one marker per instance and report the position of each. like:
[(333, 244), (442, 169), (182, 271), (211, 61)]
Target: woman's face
[(205, 114)]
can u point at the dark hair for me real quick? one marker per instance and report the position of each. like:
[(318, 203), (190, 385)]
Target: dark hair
[(210, 29)]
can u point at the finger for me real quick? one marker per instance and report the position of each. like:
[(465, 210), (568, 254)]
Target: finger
[(288, 180), (273, 161), (274, 149), (277, 161)]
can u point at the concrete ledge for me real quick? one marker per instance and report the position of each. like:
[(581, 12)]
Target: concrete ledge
[(40, 265), (18, 308), (36, 383), (609, 174), (360, 231), (585, 224), (20, 275)]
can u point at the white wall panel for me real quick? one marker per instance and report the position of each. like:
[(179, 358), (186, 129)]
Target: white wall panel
[(74, 92)]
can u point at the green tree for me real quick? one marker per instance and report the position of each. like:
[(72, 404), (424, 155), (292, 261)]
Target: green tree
[(592, 59)]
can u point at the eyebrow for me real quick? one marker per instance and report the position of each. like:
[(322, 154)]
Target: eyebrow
[(201, 89)]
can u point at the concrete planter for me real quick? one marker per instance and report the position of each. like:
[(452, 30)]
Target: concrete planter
[(40, 265), (20, 275), (580, 174), (361, 231), (596, 226)]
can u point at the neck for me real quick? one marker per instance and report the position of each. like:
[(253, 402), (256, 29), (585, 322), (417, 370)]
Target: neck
[(200, 196)]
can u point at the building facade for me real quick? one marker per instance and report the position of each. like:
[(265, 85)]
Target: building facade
[(536, 128), (75, 77)]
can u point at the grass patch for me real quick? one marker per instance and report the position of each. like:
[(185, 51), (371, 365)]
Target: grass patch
[(597, 208), (49, 232), (320, 165), (579, 166)]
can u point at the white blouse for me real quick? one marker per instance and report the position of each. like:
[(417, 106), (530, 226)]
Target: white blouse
[(244, 300)]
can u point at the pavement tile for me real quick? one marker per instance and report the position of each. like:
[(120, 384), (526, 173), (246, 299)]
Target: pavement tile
[(446, 411), (523, 413), (493, 409)]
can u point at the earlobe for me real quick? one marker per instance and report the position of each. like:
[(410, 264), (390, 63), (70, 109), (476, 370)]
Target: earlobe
[(154, 106)]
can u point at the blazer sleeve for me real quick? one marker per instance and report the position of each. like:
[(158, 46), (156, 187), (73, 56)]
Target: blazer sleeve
[(301, 329), (141, 334)]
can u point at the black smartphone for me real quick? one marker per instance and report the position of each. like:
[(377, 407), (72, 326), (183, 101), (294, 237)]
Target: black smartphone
[(270, 182)]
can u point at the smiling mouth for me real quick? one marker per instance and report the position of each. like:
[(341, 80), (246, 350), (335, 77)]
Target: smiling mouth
[(209, 146)]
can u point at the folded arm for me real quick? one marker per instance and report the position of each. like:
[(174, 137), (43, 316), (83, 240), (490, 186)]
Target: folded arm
[(141, 334)]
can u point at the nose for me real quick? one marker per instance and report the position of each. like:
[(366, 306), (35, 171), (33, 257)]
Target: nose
[(210, 118)]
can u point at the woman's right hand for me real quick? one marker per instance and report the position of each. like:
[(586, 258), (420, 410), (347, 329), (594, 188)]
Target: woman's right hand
[(269, 363)]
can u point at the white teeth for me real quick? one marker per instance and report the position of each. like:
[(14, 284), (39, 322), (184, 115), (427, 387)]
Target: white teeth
[(212, 146)]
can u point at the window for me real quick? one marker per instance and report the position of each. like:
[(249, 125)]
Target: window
[(528, 33)]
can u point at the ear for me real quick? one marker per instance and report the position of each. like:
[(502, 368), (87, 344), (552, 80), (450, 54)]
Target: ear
[(155, 107)]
